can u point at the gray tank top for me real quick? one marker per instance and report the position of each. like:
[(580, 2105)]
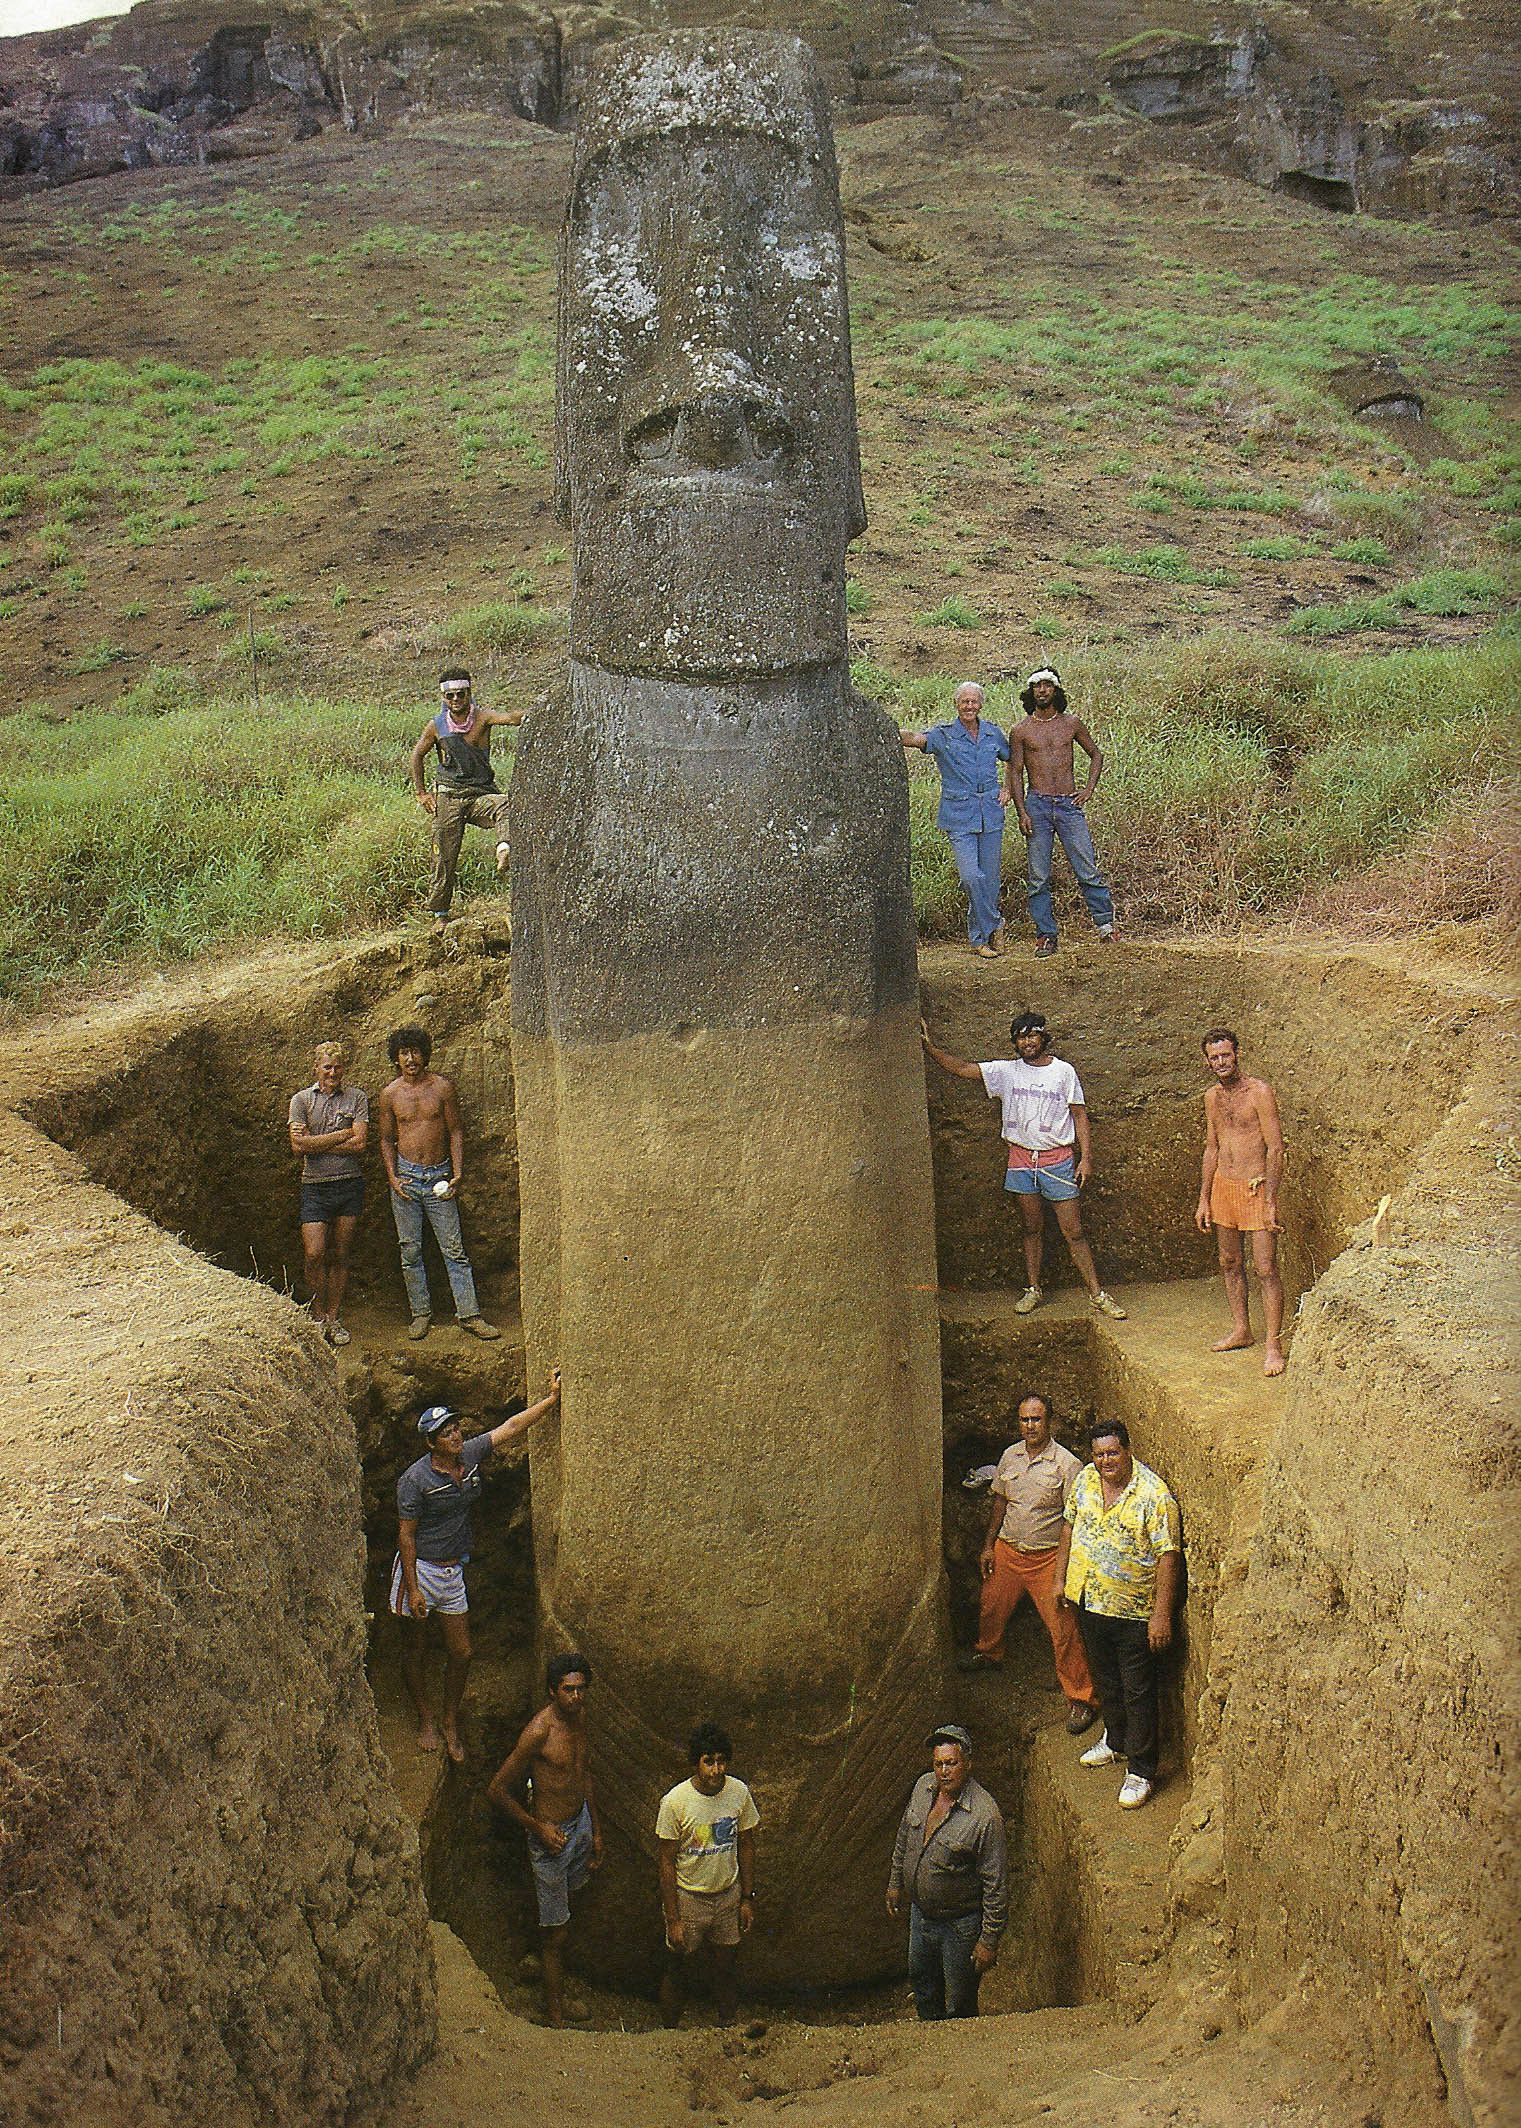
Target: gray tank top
[(461, 766)]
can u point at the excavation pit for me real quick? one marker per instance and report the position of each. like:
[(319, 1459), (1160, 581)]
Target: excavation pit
[(176, 1105)]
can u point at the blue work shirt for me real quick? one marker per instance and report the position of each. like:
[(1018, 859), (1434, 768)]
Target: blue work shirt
[(968, 775)]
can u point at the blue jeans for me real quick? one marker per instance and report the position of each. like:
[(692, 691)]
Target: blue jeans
[(940, 1968), (1061, 819), (416, 1203), (979, 860)]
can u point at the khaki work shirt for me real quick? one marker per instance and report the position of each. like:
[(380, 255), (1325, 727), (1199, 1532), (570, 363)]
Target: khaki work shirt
[(1036, 1488), (963, 1866)]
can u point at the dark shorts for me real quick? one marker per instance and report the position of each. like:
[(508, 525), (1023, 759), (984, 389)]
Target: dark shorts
[(340, 1198)]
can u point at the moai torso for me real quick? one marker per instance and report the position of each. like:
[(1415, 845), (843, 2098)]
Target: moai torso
[(727, 1216)]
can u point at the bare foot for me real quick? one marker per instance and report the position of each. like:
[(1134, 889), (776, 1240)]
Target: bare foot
[(454, 1747), (1273, 1360), (427, 1737), (1236, 1342)]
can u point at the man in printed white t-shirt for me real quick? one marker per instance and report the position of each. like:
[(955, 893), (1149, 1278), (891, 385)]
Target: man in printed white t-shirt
[(1045, 1125)]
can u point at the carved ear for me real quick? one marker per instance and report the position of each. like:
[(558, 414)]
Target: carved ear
[(562, 400)]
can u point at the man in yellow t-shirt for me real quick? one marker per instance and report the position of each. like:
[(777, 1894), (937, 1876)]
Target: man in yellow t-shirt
[(706, 1830)]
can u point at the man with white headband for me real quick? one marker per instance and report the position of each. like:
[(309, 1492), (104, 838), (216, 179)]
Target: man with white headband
[(1051, 810), (465, 793)]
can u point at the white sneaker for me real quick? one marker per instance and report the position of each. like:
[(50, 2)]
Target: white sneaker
[(1028, 1301), (1134, 1791), (1099, 1754)]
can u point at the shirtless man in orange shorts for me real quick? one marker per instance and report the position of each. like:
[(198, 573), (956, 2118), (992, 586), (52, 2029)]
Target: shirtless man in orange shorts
[(1238, 1192)]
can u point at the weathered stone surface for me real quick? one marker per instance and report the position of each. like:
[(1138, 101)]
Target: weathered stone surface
[(727, 1234), (1187, 78)]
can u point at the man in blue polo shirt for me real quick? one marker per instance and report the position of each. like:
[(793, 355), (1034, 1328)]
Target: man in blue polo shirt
[(434, 1497), (973, 797)]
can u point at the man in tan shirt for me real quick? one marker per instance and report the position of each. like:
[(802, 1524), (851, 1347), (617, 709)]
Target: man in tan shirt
[(1025, 1525)]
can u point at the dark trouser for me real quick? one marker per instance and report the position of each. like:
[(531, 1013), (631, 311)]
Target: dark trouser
[(1125, 1671), (940, 1968)]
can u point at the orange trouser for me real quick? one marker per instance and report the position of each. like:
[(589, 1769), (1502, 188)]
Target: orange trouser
[(1033, 1574)]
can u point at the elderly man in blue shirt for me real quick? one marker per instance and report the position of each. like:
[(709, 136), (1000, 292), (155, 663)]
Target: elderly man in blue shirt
[(973, 797)]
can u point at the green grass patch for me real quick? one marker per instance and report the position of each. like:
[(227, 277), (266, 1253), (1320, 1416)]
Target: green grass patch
[(1448, 594), (1372, 552), (1275, 550), (1240, 776), (501, 624), (102, 657), (108, 855), (1166, 565), (952, 612)]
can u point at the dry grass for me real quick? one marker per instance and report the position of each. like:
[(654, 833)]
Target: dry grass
[(1465, 870)]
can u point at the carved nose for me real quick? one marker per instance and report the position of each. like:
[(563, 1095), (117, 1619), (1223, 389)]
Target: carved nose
[(712, 430), (711, 427)]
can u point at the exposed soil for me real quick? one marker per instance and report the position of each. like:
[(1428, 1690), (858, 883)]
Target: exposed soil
[(1388, 1074)]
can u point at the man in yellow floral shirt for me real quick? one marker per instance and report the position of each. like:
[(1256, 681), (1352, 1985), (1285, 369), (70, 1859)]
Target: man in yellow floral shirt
[(1117, 1566)]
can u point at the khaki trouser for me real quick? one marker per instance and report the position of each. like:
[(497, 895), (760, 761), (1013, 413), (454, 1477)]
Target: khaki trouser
[(454, 811)]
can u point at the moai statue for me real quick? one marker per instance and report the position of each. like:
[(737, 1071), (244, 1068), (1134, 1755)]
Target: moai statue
[(727, 1216)]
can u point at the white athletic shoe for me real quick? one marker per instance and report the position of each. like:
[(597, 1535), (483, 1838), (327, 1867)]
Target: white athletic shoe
[(1134, 1791), (1028, 1301), (1099, 1754)]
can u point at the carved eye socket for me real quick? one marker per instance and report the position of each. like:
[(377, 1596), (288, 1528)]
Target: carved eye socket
[(769, 435), (653, 437)]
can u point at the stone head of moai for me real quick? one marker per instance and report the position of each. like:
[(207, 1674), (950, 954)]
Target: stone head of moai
[(706, 456)]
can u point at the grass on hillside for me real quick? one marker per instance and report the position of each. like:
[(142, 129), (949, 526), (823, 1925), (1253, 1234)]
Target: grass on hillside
[(1240, 777)]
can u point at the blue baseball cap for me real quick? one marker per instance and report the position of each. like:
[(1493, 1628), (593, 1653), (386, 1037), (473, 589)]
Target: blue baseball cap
[(434, 1420)]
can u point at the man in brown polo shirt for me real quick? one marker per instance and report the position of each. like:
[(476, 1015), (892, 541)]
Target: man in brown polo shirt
[(1025, 1525)]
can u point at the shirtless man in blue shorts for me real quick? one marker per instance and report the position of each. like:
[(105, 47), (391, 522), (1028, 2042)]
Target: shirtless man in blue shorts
[(557, 1809)]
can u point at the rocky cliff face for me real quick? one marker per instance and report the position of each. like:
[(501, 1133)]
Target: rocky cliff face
[(1363, 110)]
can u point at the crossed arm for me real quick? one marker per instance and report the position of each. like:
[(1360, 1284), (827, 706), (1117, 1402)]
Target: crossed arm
[(353, 1138)]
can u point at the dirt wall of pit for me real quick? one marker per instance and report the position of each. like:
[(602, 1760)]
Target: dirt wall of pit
[(1366, 1061), (185, 1114), (1356, 1675), (1371, 1732), (210, 1904)]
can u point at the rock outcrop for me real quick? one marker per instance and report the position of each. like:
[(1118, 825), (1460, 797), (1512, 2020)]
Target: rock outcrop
[(1324, 110)]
